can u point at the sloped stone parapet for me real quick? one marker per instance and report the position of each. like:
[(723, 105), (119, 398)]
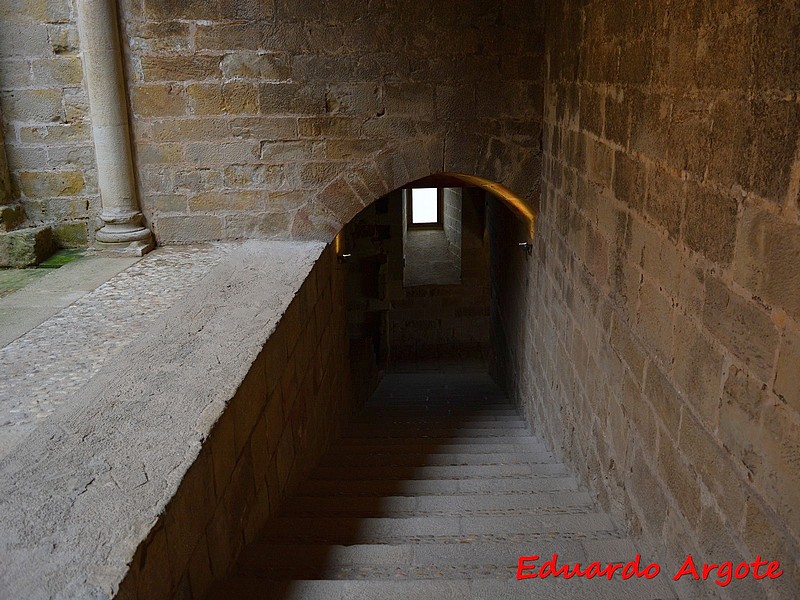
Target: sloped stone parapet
[(26, 247), (173, 451)]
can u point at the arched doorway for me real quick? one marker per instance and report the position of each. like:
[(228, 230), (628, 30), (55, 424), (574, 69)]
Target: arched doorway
[(420, 292)]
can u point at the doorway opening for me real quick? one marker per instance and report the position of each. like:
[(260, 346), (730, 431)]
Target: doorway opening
[(432, 236)]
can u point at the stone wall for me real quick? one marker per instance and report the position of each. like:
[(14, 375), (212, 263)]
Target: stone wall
[(5, 180), (452, 223), (45, 117), (294, 398), (659, 351), (286, 117), (273, 119)]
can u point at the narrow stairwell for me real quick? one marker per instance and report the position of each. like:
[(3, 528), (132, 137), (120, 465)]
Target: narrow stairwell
[(434, 492)]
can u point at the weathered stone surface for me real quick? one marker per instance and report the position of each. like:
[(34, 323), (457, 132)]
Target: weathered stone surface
[(229, 98), (25, 247), (51, 183), (745, 329), (711, 224), (11, 216), (158, 100), (189, 228), (32, 105), (270, 277), (71, 235), (766, 258), (697, 369), (787, 378)]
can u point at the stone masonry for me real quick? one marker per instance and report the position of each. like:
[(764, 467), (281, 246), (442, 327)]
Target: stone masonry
[(45, 118), (662, 324), (651, 338)]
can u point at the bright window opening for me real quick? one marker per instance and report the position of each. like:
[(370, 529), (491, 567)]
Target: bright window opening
[(424, 206)]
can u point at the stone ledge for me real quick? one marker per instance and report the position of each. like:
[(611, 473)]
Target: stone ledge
[(26, 247), (85, 489)]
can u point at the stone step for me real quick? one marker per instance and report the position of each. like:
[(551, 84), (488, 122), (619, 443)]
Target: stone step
[(394, 506), (444, 422), (475, 472), (440, 412), (448, 446), (435, 459), (436, 487), (405, 418), (269, 559), (441, 437), (394, 562), (387, 530), (243, 588), (430, 496), (465, 433)]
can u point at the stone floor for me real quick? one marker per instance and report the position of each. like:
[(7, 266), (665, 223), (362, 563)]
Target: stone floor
[(434, 492), (60, 327)]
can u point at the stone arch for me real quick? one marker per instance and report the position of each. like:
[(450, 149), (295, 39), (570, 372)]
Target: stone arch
[(509, 171)]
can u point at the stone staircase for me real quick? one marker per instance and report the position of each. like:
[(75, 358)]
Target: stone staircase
[(434, 492)]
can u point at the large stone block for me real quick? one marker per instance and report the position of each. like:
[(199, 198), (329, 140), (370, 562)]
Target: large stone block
[(710, 226), (63, 38), (777, 124), (43, 106), (48, 184), (229, 36), (787, 379), (188, 228), (158, 101), (743, 328), (11, 216), (629, 181), (664, 398), (766, 258), (260, 225), (697, 370), (666, 200), (189, 130), (221, 154), (290, 99), (16, 39), (227, 201), (55, 134), (262, 67), (650, 128), (714, 465), (654, 321), (780, 448), (229, 98), (267, 177), (25, 247), (180, 68), (57, 72), (71, 235), (689, 142)]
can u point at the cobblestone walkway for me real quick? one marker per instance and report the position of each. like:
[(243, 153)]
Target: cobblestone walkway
[(435, 492), (44, 367)]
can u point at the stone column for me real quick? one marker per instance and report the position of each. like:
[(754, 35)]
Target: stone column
[(123, 228)]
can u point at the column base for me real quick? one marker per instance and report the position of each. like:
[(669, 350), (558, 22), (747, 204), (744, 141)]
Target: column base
[(134, 248), (124, 237)]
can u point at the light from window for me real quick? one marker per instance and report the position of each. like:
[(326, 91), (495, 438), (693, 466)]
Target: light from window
[(424, 206)]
